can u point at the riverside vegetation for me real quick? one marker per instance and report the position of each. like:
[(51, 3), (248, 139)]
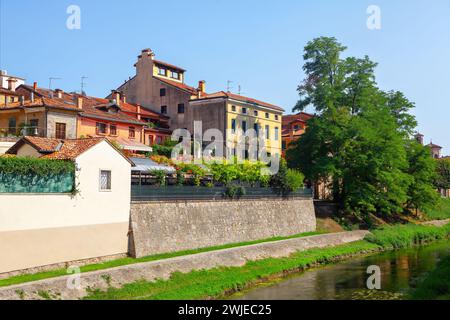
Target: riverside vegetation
[(217, 282)]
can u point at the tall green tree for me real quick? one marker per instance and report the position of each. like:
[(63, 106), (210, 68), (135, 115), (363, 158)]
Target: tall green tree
[(359, 141), (442, 178)]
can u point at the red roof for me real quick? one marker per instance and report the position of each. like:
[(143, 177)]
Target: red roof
[(229, 95), (92, 107), (97, 108), (178, 85), (165, 64), (68, 149), (8, 92), (301, 117), (43, 102), (432, 145)]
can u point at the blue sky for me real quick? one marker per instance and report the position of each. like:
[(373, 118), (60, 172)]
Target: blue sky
[(255, 43)]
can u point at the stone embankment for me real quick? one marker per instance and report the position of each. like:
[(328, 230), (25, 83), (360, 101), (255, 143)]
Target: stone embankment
[(63, 287)]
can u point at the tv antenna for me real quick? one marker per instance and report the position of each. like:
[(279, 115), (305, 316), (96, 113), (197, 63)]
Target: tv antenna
[(83, 84), (50, 80), (240, 90), (229, 87)]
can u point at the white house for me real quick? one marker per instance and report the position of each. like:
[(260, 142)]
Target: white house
[(44, 229)]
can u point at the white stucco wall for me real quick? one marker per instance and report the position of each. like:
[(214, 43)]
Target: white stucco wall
[(4, 146), (43, 229)]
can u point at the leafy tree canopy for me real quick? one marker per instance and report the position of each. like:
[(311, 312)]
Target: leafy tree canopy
[(359, 142)]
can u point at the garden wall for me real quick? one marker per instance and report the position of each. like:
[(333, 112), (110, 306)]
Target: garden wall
[(160, 227)]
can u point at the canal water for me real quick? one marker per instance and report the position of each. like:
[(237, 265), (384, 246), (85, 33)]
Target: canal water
[(400, 270)]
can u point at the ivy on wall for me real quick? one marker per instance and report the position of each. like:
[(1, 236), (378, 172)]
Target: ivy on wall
[(35, 166)]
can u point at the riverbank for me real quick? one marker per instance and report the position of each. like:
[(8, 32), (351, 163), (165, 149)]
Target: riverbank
[(436, 286), (219, 282)]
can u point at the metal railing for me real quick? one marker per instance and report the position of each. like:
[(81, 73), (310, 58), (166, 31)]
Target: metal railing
[(21, 132), (162, 193)]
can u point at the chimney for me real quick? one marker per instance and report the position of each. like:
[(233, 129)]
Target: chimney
[(12, 84), (32, 96), (116, 96), (35, 86), (138, 110), (59, 93), (148, 52), (79, 102), (201, 87), (124, 98), (419, 138)]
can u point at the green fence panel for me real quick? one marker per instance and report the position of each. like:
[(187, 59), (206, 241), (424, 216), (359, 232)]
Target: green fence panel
[(56, 183)]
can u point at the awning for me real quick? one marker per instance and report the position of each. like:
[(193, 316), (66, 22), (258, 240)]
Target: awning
[(131, 145), (146, 165)]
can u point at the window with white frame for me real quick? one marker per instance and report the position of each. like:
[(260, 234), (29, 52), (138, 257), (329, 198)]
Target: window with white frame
[(105, 180)]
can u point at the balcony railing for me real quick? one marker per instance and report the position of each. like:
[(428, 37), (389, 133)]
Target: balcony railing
[(21, 132)]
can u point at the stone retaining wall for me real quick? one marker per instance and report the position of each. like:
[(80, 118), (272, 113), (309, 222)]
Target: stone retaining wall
[(161, 227), (57, 288)]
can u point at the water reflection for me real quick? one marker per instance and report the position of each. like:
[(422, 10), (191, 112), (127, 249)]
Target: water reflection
[(347, 280)]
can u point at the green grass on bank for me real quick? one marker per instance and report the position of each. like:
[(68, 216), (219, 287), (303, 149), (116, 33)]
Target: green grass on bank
[(126, 261), (441, 211), (213, 283), (404, 236), (436, 286)]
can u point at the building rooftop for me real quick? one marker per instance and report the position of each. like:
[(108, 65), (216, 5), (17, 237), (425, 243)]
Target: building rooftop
[(229, 95), (57, 149)]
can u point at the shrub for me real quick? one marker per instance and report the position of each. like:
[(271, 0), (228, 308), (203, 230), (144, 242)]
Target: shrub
[(162, 160), (164, 149), (235, 191), (286, 180), (194, 170), (160, 176)]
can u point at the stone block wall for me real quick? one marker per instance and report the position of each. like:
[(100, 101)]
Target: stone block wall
[(160, 227)]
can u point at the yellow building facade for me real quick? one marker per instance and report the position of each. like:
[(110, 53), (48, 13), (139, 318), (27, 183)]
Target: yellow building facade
[(263, 120)]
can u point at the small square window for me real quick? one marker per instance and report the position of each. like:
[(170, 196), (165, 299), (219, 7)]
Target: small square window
[(162, 92), (113, 130), (175, 75), (233, 108), (276, 117), (105, 180), (244, 110), (255, 113), (181, 108), (267, 115), (164, 109), (162, 72)]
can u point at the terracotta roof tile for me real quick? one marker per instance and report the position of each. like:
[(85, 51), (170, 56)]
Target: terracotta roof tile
[(71, 149), (43, 102), (8, 92), (179, 85), (223, 94), (302, 117)]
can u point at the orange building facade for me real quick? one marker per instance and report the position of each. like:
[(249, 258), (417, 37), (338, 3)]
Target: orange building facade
[(293, 127), (130, 126)]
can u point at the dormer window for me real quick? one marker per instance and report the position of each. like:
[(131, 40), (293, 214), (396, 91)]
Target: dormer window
[(175, 75), (162, 71)]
